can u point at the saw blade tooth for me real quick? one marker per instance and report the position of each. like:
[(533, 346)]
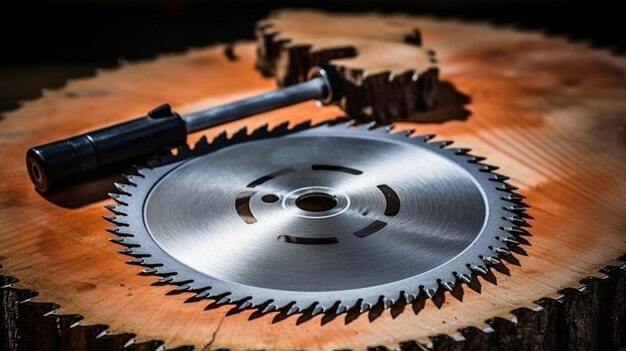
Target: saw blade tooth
[(476, 159), (224, 300), (132, 179), (364, 307), (245, 305), (183, 287), (341, 309), (424, 137), (448, 285), (516, 220), (498, 177), (409, 298), (488, 168), (136, 261), (513, 197), (502, 251), (122, 199), (115, 209), (269, 308), (386, 302), (515, 209), (467, 278), (317, 310), (430, 292), (480, 269), (149, 271), (442, 144), (165, 280), (123, 187), (491, 260), (507, 187), (115, 220), (371, 125), (292, 310), (510, 240), (461, 151)]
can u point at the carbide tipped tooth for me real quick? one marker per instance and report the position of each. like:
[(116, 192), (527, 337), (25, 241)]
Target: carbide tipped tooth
[(491, 260), (120, 198), (364, 307), (512, 198), (515, 220), (476, 159), (425, 137), (122, 187), (183, 287), (341, 309), (488, 168), (114, 208), (224, 300), (113, 230), (203, 294), (448, 285), (268, 308), (149, 270), (502, 251), (135, 261), (292, 310), (480, 269), (465, 277), (117, 240), (317, 310), (515, 209), (386, 302), (462, 151), (442, 144), (245, 305), (133, 179), (498, 178), (409, 298), (510, 240), (165, 280), (430, 292), (507, 187), (114, 220), (514, 230)]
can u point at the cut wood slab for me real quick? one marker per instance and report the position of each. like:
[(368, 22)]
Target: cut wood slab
[(388, 74), (548, 112)]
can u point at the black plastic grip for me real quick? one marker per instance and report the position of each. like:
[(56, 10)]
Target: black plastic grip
[(59, 161)]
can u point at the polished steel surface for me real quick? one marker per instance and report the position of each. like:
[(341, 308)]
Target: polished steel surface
[(316, 88), (331, 216)]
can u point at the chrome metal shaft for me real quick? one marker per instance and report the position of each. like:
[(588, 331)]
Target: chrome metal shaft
[(316, 88)]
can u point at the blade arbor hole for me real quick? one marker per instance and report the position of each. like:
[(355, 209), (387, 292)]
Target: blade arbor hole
[(316, 202)]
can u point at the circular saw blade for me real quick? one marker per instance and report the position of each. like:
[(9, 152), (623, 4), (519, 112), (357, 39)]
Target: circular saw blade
[(329, 218)]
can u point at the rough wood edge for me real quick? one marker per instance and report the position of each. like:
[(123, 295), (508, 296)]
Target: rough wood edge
[(406, 92), (591, 317)]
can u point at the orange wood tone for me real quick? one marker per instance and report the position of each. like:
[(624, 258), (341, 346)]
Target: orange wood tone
[(548, 112)]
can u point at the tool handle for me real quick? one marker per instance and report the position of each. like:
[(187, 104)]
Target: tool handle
[(51, 164)]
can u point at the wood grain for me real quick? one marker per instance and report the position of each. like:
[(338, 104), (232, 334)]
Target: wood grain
[(548, 112)]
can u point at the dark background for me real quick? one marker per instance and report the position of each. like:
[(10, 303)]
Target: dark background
[(46, 42)]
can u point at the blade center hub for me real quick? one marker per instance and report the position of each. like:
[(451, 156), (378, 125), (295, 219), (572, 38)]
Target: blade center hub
[(316, 202)]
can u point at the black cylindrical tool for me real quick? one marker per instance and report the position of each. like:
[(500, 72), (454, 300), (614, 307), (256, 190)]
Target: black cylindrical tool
[(161, 130)]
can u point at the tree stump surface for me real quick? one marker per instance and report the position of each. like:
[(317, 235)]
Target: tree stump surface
[(548, 112)]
